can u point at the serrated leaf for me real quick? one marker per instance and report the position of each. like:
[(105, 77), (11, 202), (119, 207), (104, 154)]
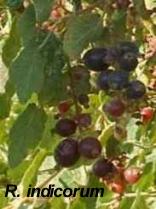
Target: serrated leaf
[(43, 9), (12, 44), (81, 30), (25, 134), (106, 134), (32, 170), (27, 72), (27, 25)]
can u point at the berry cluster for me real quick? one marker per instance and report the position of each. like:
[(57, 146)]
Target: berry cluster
[(114, 68)]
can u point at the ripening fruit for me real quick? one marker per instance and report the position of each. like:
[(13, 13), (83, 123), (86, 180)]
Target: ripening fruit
[(94, 59), (132, 175), (83, 120), (64, 106), (136, 89), (66, 153), (90, 148), (104, 168), (118, 80), (56, 14), (128, 62), (65, 127), (118, 186), (114, 108), (103, 80), (147, 114)]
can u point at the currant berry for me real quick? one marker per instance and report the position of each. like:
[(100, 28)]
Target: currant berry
[(90, 148), (118, 186), (132, 175), (103, 80), (64, 106), (66, 153), (136, 89), (65, 127), (114, 108), (118, 80), (147, 114), (128, 62), (104, 168), (94, 59), (83, 99), (83, 120)]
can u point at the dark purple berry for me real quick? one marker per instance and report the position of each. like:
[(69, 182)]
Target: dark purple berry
[(83, 120), (103, 80), (90, 148), (65, 127), (94, 59), (66, 153), (128, 62), (136, 90), (103, 168), (114, 108), (127, 47), (83, 99), (118, 80)]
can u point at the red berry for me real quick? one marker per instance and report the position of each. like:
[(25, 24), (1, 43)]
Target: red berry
[(55, 14), (132, 175), (64, 107), (147, 114), (118, 186)]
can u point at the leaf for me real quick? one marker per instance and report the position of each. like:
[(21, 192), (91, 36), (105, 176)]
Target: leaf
[(54, 89), (28, 75), (106, 134), (12, 44), (3, 199), (14, 3), (132, 129), (25, 134), (81, 30), (32, 170), (5, 105), (58, 203), (43, 9), (27, 25), (126, 202), (139, 203), (150, 4)]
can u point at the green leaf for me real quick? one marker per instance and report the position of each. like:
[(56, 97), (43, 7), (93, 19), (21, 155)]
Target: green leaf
[(26, 134), (32, 170), (15, 4), (12, 44), (58, 203), (27, 25), (27, 72), (3, 199), (43, 9), (82, 30), (126, 202), (139, 203), (54, 88), (106, 134), (5, 105)]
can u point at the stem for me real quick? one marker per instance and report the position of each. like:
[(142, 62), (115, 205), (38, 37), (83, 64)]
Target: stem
[(45, 40)]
